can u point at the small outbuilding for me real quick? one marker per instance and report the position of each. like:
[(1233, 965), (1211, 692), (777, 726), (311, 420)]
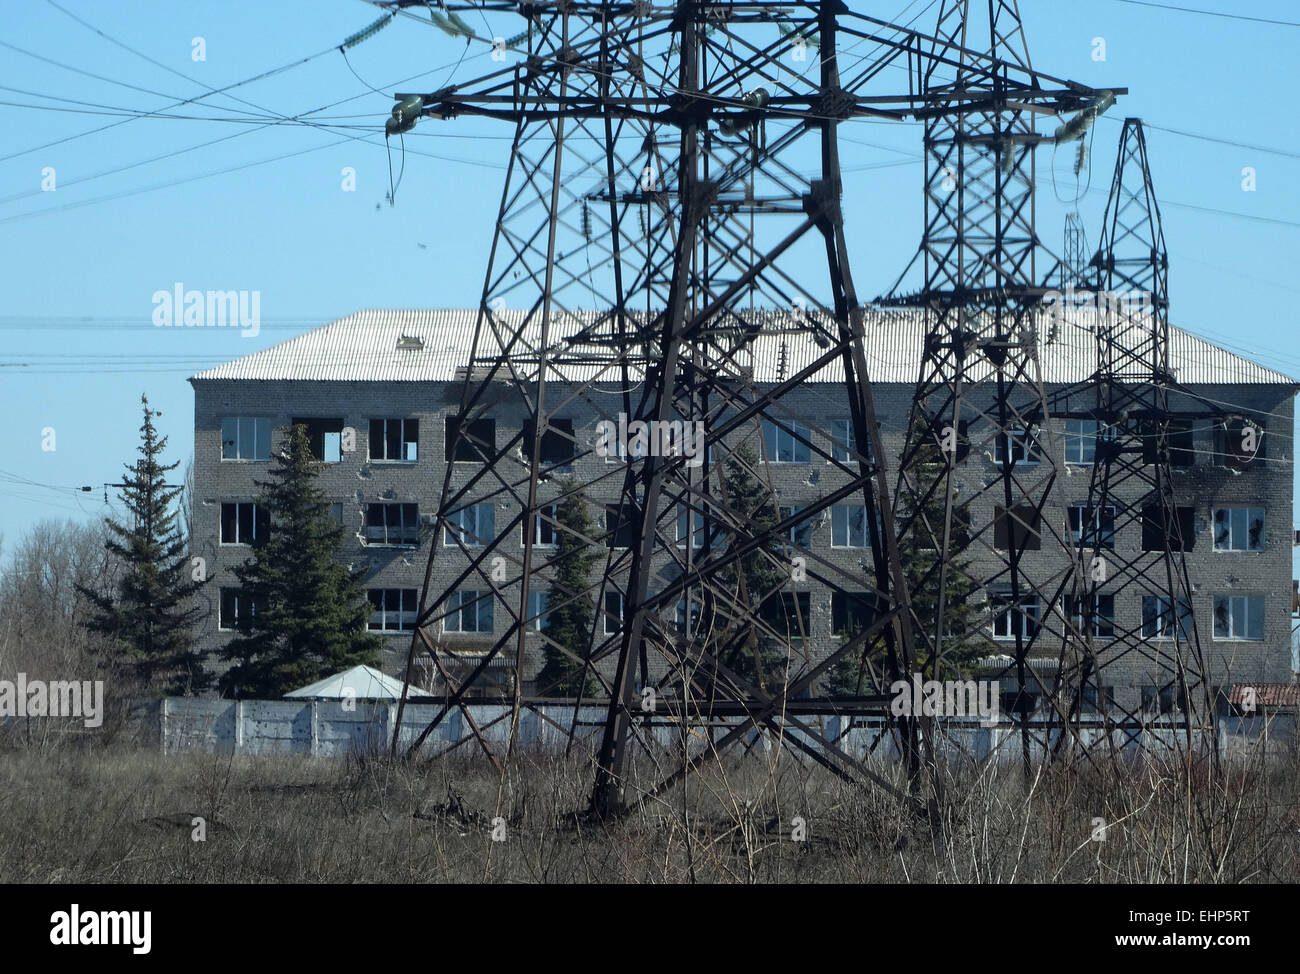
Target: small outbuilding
[(358, 683)]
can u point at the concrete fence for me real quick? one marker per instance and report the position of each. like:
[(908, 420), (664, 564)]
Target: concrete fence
[(330, 729)]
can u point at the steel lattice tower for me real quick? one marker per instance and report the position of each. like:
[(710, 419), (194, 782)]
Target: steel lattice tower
[(1132, 473), (675, 172)]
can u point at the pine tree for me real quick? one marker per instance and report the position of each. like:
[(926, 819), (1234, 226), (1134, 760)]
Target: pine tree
[(569, 623), (150, 615), (963, 643), (740, 644), (309, 613)]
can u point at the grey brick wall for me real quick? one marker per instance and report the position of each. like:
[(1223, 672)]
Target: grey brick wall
[(357, 481)]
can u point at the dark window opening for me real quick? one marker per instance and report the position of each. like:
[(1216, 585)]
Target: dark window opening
[(1021, 531), (558, 446), (622, 522), (1179, 532), (325, 438), (479, 440), (851, 612), (1179, 438), (394, 439), (1238, 442), (788, 614)]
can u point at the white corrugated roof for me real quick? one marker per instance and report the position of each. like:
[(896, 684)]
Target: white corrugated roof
[(423, 345), (357, 683)]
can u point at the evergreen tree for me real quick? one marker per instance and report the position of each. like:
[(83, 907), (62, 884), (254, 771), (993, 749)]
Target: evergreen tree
[(150, 614), (569, 624), (309, 613), (739, 642), (963, 642)]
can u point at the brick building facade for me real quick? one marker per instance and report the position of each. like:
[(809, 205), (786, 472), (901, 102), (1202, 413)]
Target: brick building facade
[(376, 389)]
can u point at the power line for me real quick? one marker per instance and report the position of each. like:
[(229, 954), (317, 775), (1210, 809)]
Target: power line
[(1209, 13)]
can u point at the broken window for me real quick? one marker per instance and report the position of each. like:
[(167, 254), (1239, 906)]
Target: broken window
[(1094, 613), (1012, 618), (1020, 446), (613, 614), (545, 533), (622, 524), (1179, 531), (244, 523), (393, 609), (1239, 529), (558, 446), (800, 533), (1239, 617), (788, 613), (392, 524), (1238, 442), (473, 525), (479, 439), (235, 610), (1158, 618), (851, 612), (1019, 531), (394, 440), (325, 437), (1179, 439), (1092, 527)]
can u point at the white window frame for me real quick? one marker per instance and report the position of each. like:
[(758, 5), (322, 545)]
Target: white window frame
[(777, 440), (1238, 519), (1162, 620), (239, 597), (538, 604), (394, 536), (463, 598), (1239, 610), (842, 529), (1099, 515), (1100, 620), (1029, 609), (239, 542), (544, 521), (405, 615), (1081, 437), (410, 448), (475, 535), (261, 435), (1017, 440), (607, 618)]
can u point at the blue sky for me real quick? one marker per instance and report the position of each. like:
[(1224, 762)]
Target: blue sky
[(262, 207)]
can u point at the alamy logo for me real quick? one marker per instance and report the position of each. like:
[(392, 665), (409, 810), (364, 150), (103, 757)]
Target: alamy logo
[(179, 308), (102, 927), (55, 698), (656, 438), (948, 698), (1107, 308)]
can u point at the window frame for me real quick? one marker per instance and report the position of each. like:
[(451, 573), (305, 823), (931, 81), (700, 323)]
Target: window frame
[(381, 609), (238, 420), (259, 523), (456, 532), (1105, 537), (1156, 609), (1031, 621), (481, 602), (1246, 511), (403, 441), (774, 434), (848, 530), (1246, 601)]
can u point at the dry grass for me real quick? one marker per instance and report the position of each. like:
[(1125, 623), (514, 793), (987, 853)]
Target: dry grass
[(71, 814)]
